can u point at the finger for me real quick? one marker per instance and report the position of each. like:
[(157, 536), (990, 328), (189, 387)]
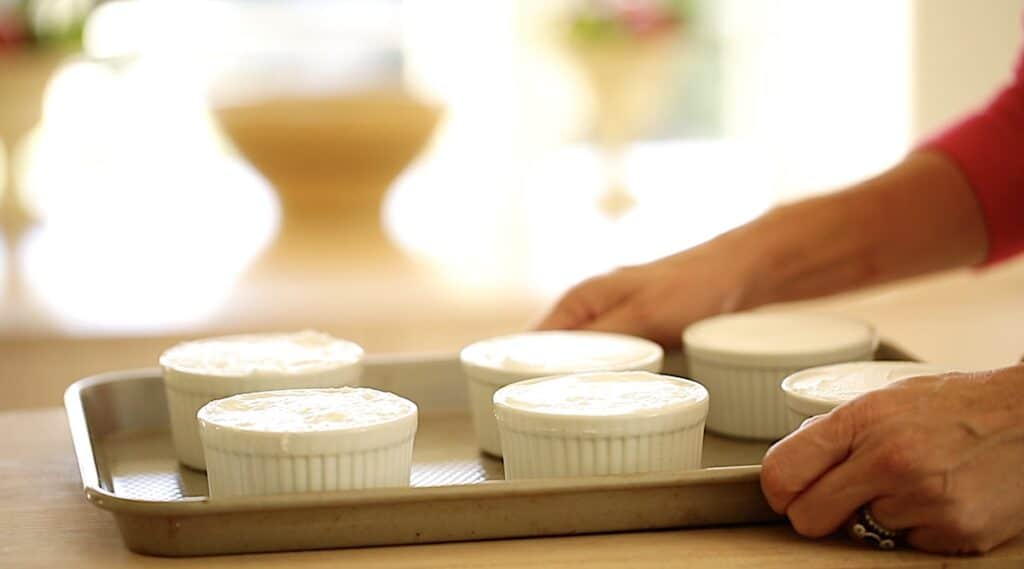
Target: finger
[(810, 421), (587, 301), (938, 539), (950, 539), (561, 317), (567, 313), (883, 462), (935, 540), (622, 319), (831, 500), (906, 511), (972, 511), (794, 463)]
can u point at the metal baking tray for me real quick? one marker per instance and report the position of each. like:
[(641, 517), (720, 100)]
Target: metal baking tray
[(119, 427)]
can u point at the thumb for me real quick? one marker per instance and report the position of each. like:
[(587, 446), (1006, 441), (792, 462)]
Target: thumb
[(588, 301), (793, 464)]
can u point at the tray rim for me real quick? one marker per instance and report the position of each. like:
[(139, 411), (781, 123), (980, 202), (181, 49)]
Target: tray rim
[(202, 505)]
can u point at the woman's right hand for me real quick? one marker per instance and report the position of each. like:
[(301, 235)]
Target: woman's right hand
[(939, 457), (658, 299)]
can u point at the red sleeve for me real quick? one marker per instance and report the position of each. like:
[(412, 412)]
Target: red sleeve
[(988, 146)]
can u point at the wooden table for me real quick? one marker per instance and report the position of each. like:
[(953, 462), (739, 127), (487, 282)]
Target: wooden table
[(46, 522)]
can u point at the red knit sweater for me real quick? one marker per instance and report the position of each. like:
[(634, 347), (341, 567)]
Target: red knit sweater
[(988, 146)]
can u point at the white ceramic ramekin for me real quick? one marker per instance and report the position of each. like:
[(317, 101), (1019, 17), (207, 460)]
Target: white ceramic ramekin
[(743, 358), (601, 423), (307, 440), (818, 390), (497, 362), (198, 372)]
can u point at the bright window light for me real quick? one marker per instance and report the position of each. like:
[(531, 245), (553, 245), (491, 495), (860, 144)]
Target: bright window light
[(685, 192), (3, 266), (163, 259), (145, 223), (823, 88)]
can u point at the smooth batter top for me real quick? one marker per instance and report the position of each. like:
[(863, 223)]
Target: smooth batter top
[(255, 354), (842, 382), (307, 410), (545, 353), (764, 334), (628, 393)]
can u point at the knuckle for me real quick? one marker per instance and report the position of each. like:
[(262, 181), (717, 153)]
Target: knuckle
[(943, 541), (774, 482), (570, 300), (984, 544), (779, 481), (809, 421), (967, 524), (899, 457), (933, 489), (864, 410), (580, 297), (621, 271), (584, 290), (806, 525), (646, 309), (825, 431)]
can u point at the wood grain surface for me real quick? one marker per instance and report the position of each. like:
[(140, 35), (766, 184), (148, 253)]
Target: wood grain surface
[(46, 522)]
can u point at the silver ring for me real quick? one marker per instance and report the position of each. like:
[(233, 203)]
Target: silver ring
[(866, 529)]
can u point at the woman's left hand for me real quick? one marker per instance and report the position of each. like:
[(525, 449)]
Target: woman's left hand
[(939, 457)]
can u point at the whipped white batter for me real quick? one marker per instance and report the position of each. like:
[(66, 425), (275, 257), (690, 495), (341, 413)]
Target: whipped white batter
[(544, 353), (842, 382), (772, 334), (631, 393), (307, 410), (262, 354)]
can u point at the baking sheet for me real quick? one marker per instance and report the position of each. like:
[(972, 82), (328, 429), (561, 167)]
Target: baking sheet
[(119, 425)]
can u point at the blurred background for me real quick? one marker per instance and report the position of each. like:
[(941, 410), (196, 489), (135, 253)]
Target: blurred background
[(415, 175)]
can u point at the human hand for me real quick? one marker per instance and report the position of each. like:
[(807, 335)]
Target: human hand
[(940, 457), (658, 299)]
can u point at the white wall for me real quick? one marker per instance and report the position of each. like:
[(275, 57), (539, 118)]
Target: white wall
[(833, 92), (821, 88), (963, 51)]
